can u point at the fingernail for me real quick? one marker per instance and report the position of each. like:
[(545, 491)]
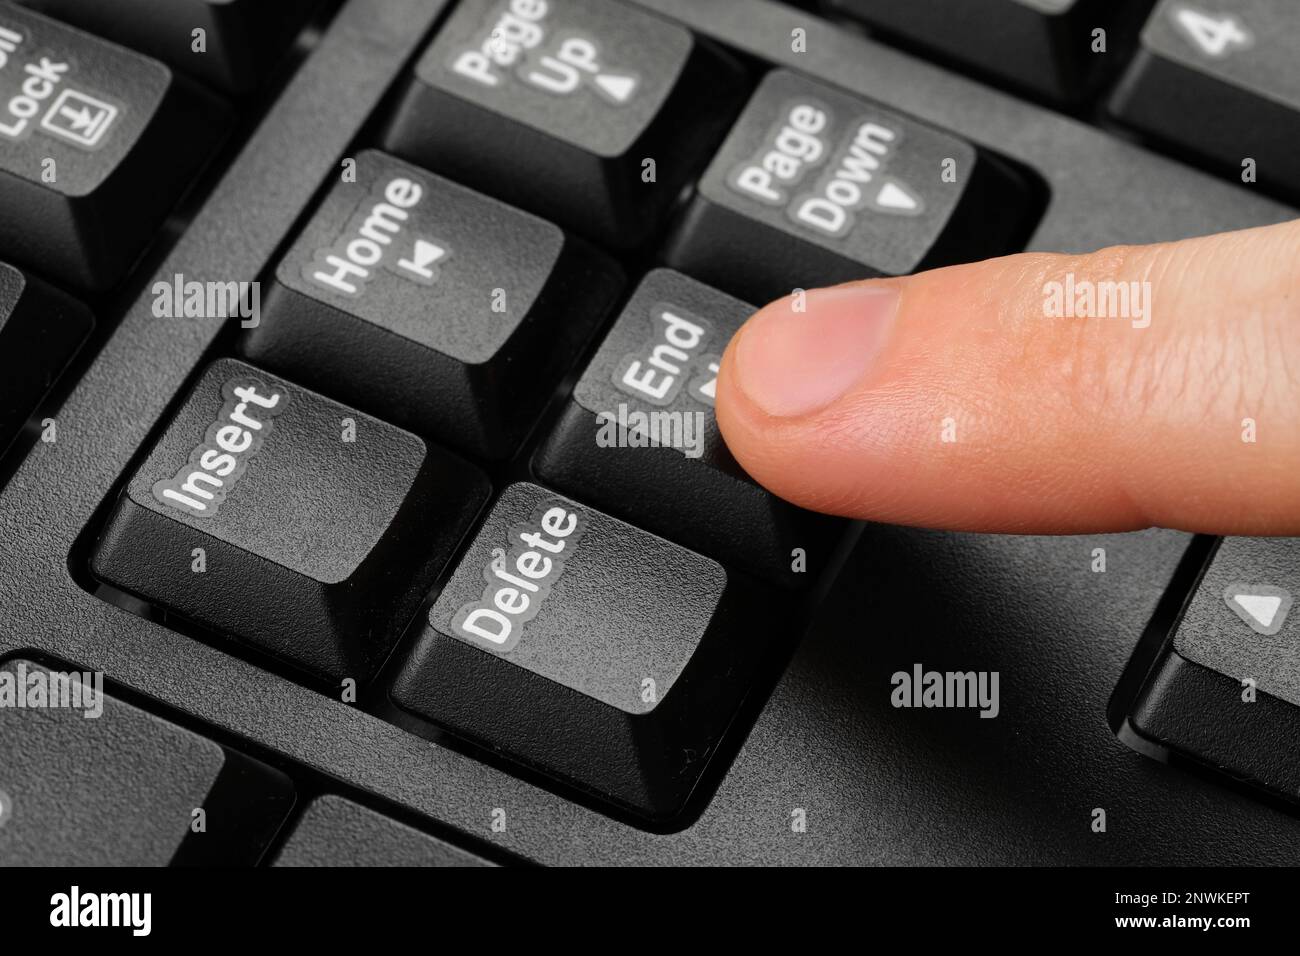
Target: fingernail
[(792, 363)]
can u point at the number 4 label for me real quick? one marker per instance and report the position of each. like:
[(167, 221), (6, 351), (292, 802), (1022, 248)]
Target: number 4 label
[(1217, 35)]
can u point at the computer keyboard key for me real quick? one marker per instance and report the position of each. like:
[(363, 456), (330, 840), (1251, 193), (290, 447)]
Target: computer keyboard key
[(1046, 47), (41, 329), (87, 779), (638, 438), (241, 39), (1220, 82), (591, 113), (432, 306), (1224, 689), (589, 650), (337, 832), (96, 145), (282, 519), (814, 186)]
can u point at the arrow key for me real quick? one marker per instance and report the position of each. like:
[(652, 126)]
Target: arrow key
[(1224, 688), (1263, 607)]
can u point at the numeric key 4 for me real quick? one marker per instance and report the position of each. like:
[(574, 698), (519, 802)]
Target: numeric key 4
[(1220, 79)]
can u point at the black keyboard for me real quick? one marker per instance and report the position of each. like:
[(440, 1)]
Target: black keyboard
[(361, 499)]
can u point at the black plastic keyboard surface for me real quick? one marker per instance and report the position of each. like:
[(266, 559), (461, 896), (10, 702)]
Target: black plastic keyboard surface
[(398, 731)]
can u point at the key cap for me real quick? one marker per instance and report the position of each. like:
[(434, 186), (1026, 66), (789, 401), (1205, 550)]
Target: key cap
[(241, 38), (652, 381), (432, 306), (1045, 47), (588, 649), (557, 105), (1220, 79), (96, 145), (41, 329), (1225, 688), (287, 521), (337, 832), (814, 187), (87, 779)]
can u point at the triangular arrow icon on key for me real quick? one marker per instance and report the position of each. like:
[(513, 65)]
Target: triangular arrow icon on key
[(618, 87), (896, 197), (1262, 607), (422, 258)]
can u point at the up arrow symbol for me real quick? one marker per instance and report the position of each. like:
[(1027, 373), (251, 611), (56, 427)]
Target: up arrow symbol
[(1262, 607), (617, 87)]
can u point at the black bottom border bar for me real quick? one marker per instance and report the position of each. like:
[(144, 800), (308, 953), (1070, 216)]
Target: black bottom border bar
[(990, 905)]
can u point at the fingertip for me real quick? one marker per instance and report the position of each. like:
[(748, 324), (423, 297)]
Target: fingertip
[(965, 398), (800, 354), (783, 372)]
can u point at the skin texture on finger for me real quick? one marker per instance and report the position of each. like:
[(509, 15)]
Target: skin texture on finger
[(973, 408)]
